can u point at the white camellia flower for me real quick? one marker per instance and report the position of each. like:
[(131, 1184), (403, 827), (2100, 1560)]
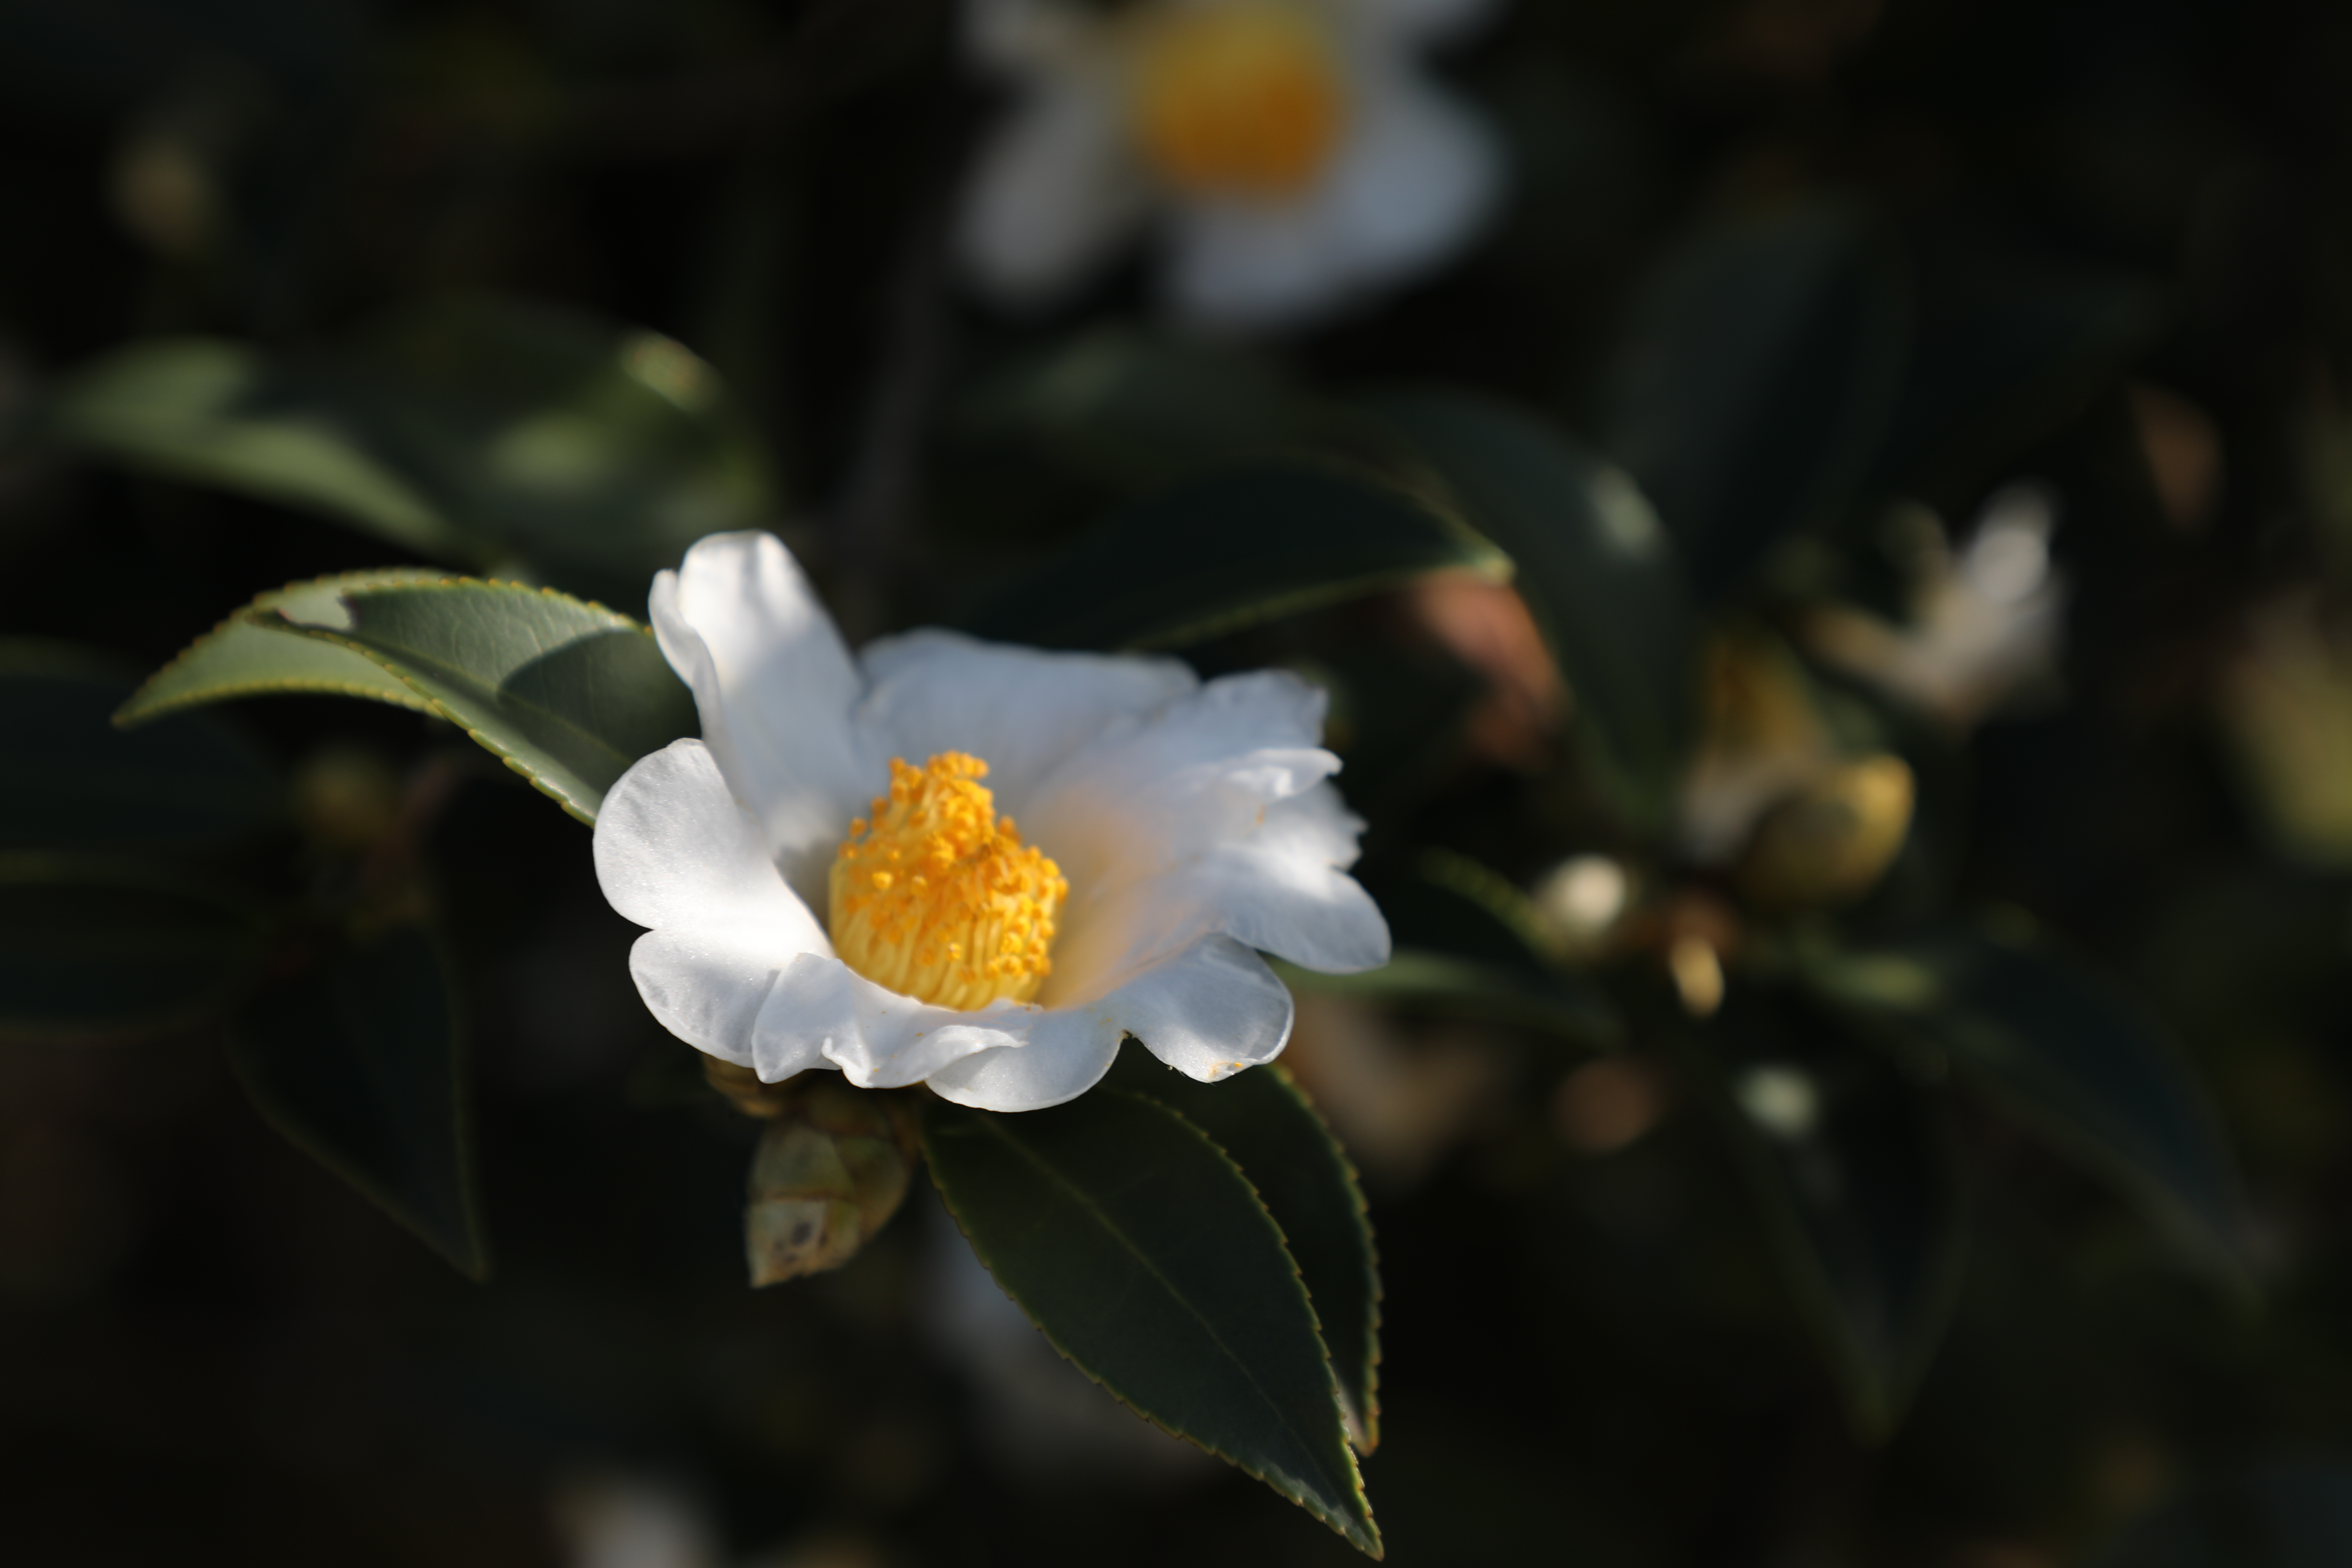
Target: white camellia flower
[(830, 883), (1290, 154)]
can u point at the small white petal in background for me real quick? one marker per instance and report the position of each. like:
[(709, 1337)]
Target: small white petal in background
[(621, 1521), (1986, 620), (1290, 157)]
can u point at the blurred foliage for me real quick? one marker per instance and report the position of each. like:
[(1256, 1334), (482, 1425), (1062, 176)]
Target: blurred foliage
[(1834, 612)]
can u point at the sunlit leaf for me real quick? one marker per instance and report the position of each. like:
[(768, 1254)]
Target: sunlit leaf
[(1265, 1120), (1229, 550), (1145, 1257), (101, 948), (69, 780), (469, 430), (255, 653), (1752, 387), (1593, 564), (357, 1062), (2064, 1052), (565, 692), (1856, 1176)]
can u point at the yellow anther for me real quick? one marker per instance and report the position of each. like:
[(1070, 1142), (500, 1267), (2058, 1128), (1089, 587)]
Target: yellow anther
[(929, 935), (1239, 96)]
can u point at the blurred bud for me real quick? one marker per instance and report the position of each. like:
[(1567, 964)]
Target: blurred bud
[(1487, 627), (2286, 707), (1783, 1101), (345, 797), (1581, 898), (830, 1171), (1830, 842), (1697, 971), (1607, 1105), (1763, 740), (2183, 449), (168, 182)]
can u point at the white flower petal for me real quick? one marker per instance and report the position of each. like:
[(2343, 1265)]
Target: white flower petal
[(1208, 1011), (1021, 710), (774, 685), (821, 1011), (1199, 771), (1285, 889), (674, 851), (1416, 177), (1054, 191)]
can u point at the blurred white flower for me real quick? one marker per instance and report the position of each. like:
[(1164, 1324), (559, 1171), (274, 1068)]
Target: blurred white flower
[(1290, 154), (1165, 829), (1986, 620)]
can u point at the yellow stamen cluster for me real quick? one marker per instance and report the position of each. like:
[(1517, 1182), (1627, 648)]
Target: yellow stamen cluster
[(937, 898), (1242, 97)]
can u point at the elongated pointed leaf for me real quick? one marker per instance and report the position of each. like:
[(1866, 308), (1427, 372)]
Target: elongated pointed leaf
[(1465, 940), (1856, 1177), (1751, 388), (1147, 1260), (1229, 550), (2064, 1052), (358, 1064), (255, 653), (1265, 1120), (567, 693), (1593, 563), (69, 780), (96, 949)]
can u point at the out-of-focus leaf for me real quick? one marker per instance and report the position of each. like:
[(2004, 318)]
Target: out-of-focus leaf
[(1265, 1120), (1396, 720), (69, 780), (1855, 1172), (565, 692), (469, 430), (1144, 1255), (1593, 563), (101, 949), (2065, 1053), (1229, 550), (2285, 1514), (2006, 350), (1752, 387), (255, 653), (1135, 410), (357, 1063), (1465, 940)]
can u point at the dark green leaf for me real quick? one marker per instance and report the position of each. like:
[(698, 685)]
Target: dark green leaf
[(1265, 1120), (1593, 564), (1145, 1258), (96, 949), (2062, 1052), (566, 693), (71, 780), (1465, 940), (1752, 385), (255, 653), (468, 430), (1856, 1176), (1229, 550), (357, 1063)]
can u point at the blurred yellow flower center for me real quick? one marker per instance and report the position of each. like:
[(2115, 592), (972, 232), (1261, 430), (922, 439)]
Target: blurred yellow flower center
[(1237, 97), (937, 898)]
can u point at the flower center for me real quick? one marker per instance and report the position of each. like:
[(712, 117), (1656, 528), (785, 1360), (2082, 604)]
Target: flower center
[(1242, 97), (937, 898)]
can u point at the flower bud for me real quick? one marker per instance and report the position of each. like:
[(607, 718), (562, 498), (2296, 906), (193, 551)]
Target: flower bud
[(1830, 842), (831, 1170)]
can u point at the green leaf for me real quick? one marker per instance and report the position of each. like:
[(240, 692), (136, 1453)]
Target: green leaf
[(95, 949), (565, 692), (1752, 387), (1229, 550), (468, 430), (1857, 1179), (1465, 940), (2062, 1052), (1147, 1260), (1594, 565), (71, 780), (1266, 1123), (357, 1062), (255, 653)]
